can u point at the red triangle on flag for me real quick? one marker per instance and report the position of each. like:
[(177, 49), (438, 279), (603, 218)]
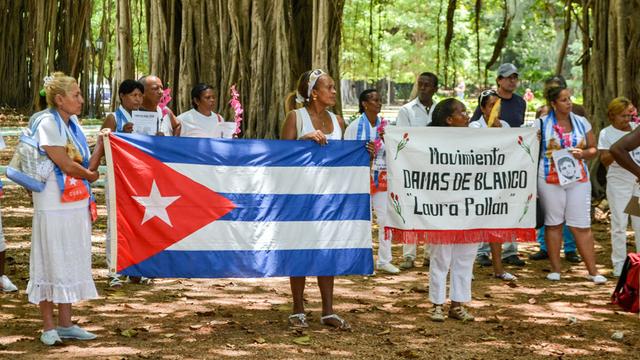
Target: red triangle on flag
[(145, 230)]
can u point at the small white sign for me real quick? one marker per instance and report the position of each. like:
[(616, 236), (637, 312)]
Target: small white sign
[(144, 122), (227, 129)]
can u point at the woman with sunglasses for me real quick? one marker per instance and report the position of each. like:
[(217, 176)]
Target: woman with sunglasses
[(456, 259), (621, 184), (316, 92), (487, 100)]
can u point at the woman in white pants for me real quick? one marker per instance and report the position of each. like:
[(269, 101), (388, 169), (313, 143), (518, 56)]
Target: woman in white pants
[(368, 127), (621, 184), (570, 203), (456, 259)]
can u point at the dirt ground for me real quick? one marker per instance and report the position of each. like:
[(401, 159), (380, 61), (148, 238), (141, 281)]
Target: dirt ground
[(247, 318)]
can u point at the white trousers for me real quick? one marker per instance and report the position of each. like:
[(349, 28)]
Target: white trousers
[(619, 193), (456, 259), (379, 205)]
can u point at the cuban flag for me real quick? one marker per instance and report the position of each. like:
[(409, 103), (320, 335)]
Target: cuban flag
[(208, 208)]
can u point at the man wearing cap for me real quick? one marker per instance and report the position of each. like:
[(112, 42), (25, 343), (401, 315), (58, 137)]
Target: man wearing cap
[(417, 113), (512, 105), (512, 110)]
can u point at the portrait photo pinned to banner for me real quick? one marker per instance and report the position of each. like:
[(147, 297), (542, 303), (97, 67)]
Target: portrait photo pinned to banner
[(569, 168)]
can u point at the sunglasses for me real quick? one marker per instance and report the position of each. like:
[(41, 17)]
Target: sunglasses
[(485, 94)]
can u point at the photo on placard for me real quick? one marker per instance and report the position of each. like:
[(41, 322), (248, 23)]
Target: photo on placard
[(568, 167)]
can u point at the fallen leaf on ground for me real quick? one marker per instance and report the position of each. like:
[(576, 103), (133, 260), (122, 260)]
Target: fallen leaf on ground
[(384, 332), (532, 301), (303, 340), (169, 335), (488, 338), (259, 340), (195, 326), (129, 333)]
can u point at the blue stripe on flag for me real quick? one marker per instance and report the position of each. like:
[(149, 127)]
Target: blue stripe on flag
[(241, 152), (253, 264), (287, 207)]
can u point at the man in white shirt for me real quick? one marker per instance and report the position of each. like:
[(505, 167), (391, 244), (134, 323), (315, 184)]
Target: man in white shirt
[(417, 113)]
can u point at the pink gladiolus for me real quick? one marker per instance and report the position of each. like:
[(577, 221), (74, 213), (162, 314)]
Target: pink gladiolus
[(164, 100), (237, 108), (378, 141)]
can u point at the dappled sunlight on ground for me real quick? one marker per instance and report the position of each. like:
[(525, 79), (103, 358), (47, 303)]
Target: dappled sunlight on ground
[(247, 318)]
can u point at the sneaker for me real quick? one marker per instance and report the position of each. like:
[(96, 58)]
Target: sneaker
[(407, 264), (554, 276), (460, 313), (75, 332), (540, 255), (484, 260), (597, 279), (505, 276), (388, 268), (572, 257), (50, 337), (513, 260), (437, 313), (7, 285)]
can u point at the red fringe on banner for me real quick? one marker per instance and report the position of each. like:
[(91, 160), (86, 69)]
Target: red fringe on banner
[(459, 236)]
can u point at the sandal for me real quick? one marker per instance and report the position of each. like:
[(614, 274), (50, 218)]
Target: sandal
[(437, 313), (342, 324), (460, 313), (298, 320), (505, 276)]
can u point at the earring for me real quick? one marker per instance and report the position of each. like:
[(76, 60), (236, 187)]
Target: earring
[(315, 98)]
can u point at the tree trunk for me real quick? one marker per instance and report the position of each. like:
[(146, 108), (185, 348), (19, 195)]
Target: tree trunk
[(124, 46), (562, 53), (502, 38), (448, 37)]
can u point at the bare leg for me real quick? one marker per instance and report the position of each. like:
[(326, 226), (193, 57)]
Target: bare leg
[(584, 242), (325, 283), (496, 259), (297, 291), (64, 315), (46, 310), (553, 238)]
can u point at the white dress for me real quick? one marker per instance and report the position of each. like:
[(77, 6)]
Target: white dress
[(60, 262)]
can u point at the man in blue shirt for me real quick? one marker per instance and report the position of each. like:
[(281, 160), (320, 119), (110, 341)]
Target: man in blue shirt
[(512, 110)]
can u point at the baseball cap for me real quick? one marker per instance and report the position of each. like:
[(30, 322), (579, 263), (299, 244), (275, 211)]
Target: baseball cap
[(507, 69)]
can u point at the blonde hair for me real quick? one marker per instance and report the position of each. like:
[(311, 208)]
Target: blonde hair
[(617, 106), (57, 84)]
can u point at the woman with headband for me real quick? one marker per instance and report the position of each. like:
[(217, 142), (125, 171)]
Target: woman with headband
[(60, 260), (316, 93)]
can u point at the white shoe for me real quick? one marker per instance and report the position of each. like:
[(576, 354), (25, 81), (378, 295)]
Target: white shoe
[(407, 264), (597, 279), (7, 285), (554, 276), (389, 268), (505, 276), (50, 337)]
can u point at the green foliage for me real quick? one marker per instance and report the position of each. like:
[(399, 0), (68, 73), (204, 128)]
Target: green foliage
[(397, 39)]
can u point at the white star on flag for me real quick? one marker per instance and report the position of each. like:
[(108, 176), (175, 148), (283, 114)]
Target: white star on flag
[(155, 204), (72, 181)]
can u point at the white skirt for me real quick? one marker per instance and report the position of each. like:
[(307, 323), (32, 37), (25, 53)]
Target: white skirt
[(60, 263)]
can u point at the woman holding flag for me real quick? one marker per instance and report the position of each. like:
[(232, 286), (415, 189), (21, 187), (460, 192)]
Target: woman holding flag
[(370, 127), (60, 261), (316, 93)]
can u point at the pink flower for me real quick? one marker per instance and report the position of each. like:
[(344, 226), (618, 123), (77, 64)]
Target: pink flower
[(405, 136)]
